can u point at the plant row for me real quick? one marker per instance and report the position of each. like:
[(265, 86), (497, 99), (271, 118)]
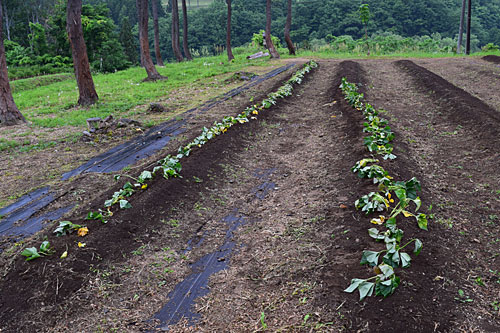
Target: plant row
[(170, 166), (392, 201)]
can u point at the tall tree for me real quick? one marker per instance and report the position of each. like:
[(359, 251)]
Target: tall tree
[(469, 19), (185, 31), (461, 28), (288, 24), (88, 95), (9, 113), (364, 15), (159, 60), (228, 32), (147, 62), (269, 42), (175, 31), (127, 41)]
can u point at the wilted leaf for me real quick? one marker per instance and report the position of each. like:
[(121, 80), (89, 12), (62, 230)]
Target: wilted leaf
[(418, 247), (405, 260), (365, 289), (354, 285), (83, 231), (124, 204), (370, 257), (407, 214)]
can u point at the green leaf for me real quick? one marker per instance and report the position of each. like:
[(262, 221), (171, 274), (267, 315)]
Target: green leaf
[(422, 221), (108, 203), (391, 259), (405, 259), (145, 175), (353, 286), (365, 289), (370, 257), (386, 288), (124, 204), (30, 253), (374, 233), (417, 202), (418, 247), (45, 247), (65, 227), (401, 194), (387, 271)]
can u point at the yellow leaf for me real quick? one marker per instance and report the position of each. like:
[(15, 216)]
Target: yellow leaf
[(64, 255), (391, 201), (389, 195), (255, 112), (334, 116), (144, 186), (378, 221), (407, 214), (83, 231), (80, 244), (334, 102)]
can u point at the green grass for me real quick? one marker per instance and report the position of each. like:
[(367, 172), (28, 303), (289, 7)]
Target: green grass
[(329, 54), (38, 81), (53, 105), (10, 144)]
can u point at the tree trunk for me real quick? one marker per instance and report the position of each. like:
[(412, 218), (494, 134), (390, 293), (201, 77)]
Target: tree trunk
[(88, 95), (159, 60), (185, 31), (461, 28), (175, 31), (9, 113), (269, 42), (228, 32), (7, 22), (469, 19), (288, 24), (147, 62)]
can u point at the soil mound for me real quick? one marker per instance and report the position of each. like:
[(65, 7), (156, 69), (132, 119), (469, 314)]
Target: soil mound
[(492, 58)]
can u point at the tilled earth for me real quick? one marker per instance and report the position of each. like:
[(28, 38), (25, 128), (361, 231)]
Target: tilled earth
[(287, 176)]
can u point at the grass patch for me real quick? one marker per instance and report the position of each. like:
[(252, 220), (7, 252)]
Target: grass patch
[(53, 104), (330, 54), (39, 81), (8, 145)]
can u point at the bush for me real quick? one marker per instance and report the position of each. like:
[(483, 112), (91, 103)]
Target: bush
[(258, 39), (490, 47)]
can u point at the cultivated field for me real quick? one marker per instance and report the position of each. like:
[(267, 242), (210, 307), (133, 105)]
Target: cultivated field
[(261, 231)]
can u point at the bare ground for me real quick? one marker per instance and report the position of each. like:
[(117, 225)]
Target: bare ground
[(303, 239)]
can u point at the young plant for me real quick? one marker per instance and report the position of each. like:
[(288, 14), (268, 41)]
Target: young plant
[(32, 252), (372, 171), (66, 227)]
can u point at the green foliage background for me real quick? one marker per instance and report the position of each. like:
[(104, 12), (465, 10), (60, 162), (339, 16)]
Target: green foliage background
[(110, 28)]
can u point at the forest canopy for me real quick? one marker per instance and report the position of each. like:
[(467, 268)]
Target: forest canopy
[(36, 36)]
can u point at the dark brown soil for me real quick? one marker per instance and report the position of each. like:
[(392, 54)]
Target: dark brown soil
[(492, 58), (305, 239)]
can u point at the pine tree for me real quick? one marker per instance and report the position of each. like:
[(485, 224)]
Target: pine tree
[(128, 42)]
